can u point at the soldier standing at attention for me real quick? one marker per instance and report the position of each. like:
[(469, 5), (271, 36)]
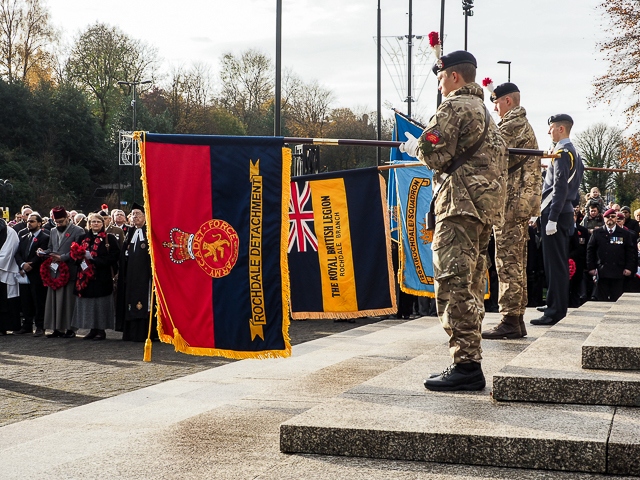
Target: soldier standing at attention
[(524, 185), (463, 146), (559, 195)]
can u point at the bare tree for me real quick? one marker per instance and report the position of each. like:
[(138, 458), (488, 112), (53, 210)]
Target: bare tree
[(247, 87), (102, 56), (622, 52), (600, 146), (25, 37), (308, 107)]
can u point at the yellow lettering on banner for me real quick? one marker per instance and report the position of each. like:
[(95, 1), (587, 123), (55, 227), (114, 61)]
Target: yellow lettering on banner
[(331, 219), (256, 293), (412, 227)]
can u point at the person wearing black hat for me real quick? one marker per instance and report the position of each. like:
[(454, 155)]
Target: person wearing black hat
[(524, 184), (134, 282), (463, 146), (61, 301), (559, 196)]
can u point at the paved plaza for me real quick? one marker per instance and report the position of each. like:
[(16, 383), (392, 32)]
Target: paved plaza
[(39, 376), (75, 409)]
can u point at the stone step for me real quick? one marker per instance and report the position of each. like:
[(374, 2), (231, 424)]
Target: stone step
[(614, 343), (392, 416), (550, 369)]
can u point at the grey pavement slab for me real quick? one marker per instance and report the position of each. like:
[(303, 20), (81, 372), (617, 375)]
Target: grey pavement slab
[(85, 441), (550, 370), (614, 344), (392, 416)]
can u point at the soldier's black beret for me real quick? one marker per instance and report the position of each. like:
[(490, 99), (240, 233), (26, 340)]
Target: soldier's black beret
[(454, 58), (503, 89), (561, 117)]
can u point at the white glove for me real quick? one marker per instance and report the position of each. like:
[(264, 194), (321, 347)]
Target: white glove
[(410, 147), (552, 227), (87, 255)]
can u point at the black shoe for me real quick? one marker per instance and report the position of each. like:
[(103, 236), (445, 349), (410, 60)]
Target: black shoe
[(39, 332), (543, 320), (22, 331), (54, 334), (459, 376), (91, 334), (541, 308), (69, 334)]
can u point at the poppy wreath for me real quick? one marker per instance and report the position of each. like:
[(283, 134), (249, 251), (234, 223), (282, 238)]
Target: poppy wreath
[(48, 280)]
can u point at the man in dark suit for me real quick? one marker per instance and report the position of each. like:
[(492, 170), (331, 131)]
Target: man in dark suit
[(34, 294), (25, 211), (612, 255)]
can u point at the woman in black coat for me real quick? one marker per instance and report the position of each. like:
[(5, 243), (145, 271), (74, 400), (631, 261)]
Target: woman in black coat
[(97, 258)]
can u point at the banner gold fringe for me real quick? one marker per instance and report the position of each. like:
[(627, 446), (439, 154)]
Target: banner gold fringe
[(387, 233), (178, 341), (392, 291)]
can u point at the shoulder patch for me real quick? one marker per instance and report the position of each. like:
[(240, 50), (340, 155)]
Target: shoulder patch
[(432, 136)]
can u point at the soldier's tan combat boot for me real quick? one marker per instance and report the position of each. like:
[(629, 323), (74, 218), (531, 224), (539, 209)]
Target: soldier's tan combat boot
[(523, 327), (509, 327)]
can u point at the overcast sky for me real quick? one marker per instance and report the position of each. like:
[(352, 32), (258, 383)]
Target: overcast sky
[(551, 44)]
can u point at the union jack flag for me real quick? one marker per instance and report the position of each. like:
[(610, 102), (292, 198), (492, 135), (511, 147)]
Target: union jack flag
[(301, 220)]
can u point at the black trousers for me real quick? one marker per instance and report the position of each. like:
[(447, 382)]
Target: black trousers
[(555, 251), (610, 289), (33, 297)]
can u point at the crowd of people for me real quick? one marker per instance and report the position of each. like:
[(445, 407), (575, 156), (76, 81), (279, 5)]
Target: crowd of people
[(69, 271)]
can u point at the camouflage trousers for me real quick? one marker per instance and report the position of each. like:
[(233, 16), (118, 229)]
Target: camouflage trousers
[(511, 264), (459, 264)]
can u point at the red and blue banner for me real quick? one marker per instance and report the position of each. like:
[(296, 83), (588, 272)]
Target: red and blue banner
[(339, 246), (217, 216)]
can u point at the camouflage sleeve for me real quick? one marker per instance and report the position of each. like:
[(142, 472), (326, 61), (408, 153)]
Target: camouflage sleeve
[(438, 143)]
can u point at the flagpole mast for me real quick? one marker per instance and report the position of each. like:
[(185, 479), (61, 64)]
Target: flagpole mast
[(276, 116), (379, 86), (409, 45)]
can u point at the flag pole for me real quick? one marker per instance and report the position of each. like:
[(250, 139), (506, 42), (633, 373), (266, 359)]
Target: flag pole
[(418, 164), (393, 144)]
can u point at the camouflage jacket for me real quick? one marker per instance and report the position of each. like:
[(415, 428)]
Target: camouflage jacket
[(524, 186), (478, 187)]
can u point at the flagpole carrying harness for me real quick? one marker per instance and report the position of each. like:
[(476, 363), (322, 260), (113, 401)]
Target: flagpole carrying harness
[(455, 164)]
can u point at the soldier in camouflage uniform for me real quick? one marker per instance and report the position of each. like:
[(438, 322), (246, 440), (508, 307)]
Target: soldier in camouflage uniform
[(524, 186), (469, 202)]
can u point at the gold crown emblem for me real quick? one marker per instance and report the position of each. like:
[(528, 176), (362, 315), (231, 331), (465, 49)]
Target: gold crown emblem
[(181, 245), (214, 247)]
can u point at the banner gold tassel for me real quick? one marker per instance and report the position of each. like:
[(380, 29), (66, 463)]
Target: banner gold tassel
[(147, 344), (179, 343), (147, 350)]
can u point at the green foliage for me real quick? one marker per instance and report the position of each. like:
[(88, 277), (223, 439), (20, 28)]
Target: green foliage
[(51, 149), (627, 186)]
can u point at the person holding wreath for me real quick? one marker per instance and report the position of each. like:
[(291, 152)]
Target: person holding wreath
[(56, 271), (96, 256)]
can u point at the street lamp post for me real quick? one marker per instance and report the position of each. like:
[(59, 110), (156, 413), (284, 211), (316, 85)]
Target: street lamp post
[(467, 11), (508, 64), (134, 98)]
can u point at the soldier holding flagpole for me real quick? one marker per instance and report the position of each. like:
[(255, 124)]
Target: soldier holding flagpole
[(463, 146)]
